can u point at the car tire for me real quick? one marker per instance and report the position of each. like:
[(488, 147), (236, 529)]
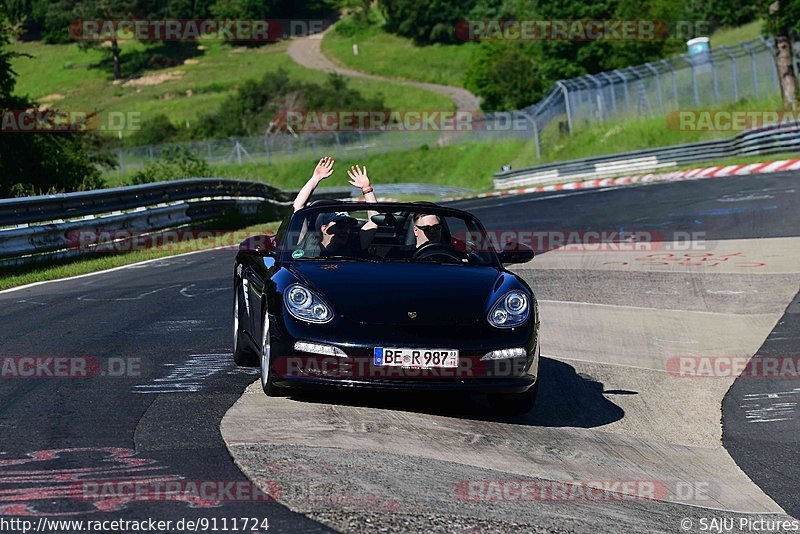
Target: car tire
[(267, 383), (514, 403), (243, 355)]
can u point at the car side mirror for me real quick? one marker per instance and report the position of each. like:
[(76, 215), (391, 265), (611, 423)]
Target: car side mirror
[(514, 252), (259, 245)]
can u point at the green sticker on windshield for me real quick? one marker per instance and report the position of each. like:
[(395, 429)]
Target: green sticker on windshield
[(298, 253)]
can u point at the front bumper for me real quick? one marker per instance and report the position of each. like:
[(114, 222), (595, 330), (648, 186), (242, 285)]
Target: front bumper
[(292, 369), (499, 386)]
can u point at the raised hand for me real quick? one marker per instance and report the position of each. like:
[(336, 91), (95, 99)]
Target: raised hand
[(358, 177), (323, 169)]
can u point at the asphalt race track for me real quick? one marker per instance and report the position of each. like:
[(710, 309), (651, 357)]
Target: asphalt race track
[(166, 403)]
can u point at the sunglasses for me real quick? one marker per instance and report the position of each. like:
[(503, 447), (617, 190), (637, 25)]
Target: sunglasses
[(430, 228)]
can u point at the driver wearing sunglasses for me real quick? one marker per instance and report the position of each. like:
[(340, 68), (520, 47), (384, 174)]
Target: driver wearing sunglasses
[(427, 229)]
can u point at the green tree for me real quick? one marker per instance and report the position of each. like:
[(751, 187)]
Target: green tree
[(107, 10), (37, 163), (505, 75), (426, 21), (509, 74), (783, 23), (28, 15), (722, 12), (359, 9), (241, 9)]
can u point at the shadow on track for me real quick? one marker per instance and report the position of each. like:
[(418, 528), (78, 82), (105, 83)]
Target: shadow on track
[(566, 399)]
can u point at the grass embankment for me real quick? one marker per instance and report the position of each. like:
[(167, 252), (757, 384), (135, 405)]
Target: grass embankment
[(636, 133), (729, 36), (63, 76), (17, 276), (386, 54)]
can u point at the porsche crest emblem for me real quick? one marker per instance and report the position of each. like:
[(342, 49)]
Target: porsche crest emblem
[(412, 315)]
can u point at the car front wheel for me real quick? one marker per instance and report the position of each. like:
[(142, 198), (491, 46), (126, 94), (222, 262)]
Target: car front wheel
[(267, 384), (242, 354)]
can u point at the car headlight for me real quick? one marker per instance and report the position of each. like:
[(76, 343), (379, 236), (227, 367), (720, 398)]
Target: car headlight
[(303, 304), (510, 310)]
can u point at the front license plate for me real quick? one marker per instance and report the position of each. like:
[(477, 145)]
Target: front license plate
[(422, 358)]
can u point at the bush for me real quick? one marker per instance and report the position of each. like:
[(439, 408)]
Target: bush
[(174, 163), (505, 75), (256, 104), (154, 131)]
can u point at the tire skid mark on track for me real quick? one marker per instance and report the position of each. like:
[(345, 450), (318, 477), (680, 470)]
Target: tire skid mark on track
[(189, 293), (771, 407), (139, 296), (191, 375)]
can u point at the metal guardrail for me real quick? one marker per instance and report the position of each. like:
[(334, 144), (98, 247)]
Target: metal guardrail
[(45, 227), (758, 141), (52, 226), (26, 210)]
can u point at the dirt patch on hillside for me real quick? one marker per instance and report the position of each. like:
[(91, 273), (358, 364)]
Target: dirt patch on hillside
[(153, 79)]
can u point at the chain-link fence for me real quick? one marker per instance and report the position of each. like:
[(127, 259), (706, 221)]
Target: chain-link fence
[(283, 146), (725, 75)]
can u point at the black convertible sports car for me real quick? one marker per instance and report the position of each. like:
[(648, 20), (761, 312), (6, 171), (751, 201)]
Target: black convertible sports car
[(403, 296)]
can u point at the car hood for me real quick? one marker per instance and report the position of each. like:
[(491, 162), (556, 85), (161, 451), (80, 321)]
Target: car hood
[(402, 293)]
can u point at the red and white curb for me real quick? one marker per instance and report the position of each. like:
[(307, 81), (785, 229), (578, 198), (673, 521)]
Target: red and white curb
[(677, 176)]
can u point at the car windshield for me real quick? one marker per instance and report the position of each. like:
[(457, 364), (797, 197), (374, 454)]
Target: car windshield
[(391, 234)]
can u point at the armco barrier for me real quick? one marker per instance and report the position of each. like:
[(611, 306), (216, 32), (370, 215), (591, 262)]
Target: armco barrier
[(758, 141), (33, 228), (26, 210)]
